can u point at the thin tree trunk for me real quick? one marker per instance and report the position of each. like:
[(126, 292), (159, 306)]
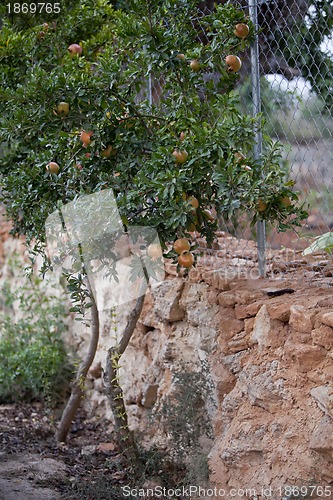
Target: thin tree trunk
[(79, 382), (113, 390)]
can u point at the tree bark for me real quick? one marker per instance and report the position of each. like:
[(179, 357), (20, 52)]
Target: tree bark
[(78, 384), (113, 391)]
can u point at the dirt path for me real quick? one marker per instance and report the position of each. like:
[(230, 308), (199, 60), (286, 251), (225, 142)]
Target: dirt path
[(33, 466), (21, 474)]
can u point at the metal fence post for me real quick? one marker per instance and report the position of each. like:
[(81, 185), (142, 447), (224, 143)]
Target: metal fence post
[(255, 77)]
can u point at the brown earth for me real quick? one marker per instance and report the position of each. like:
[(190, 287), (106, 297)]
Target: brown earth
[(33, 466)]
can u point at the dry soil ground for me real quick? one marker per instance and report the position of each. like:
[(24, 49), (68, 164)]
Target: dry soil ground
[(34, 467)]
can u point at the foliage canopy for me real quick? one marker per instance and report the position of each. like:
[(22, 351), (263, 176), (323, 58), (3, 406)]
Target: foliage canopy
[(107, 92)]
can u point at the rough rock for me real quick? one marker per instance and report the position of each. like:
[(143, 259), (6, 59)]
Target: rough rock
[(262, 329), (239, 342), (300, 319), (166, 297), (149, 317), (327, 318), (322, 373), (321, 438), (224, 379), (253, 309), (226, 299), (248, 325), (323, 396), (280, 312), (323, 336), (149, 395), (241, 313), (261, 388), (220, 279), (246, 297), (305, 356), (212, 297), (206, 338), (326, 302), (194, 302), (230, 326)]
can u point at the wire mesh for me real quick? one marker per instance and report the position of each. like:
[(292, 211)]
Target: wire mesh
[(296, 51), (294, 59)]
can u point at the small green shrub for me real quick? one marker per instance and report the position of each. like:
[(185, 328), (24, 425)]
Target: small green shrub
[(33, 361), (184, 415)]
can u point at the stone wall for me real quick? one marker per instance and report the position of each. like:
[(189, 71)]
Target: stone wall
[(268, 359)]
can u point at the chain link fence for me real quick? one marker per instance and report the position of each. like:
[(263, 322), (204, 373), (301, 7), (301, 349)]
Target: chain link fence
[(295, 101), (286, 76)]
